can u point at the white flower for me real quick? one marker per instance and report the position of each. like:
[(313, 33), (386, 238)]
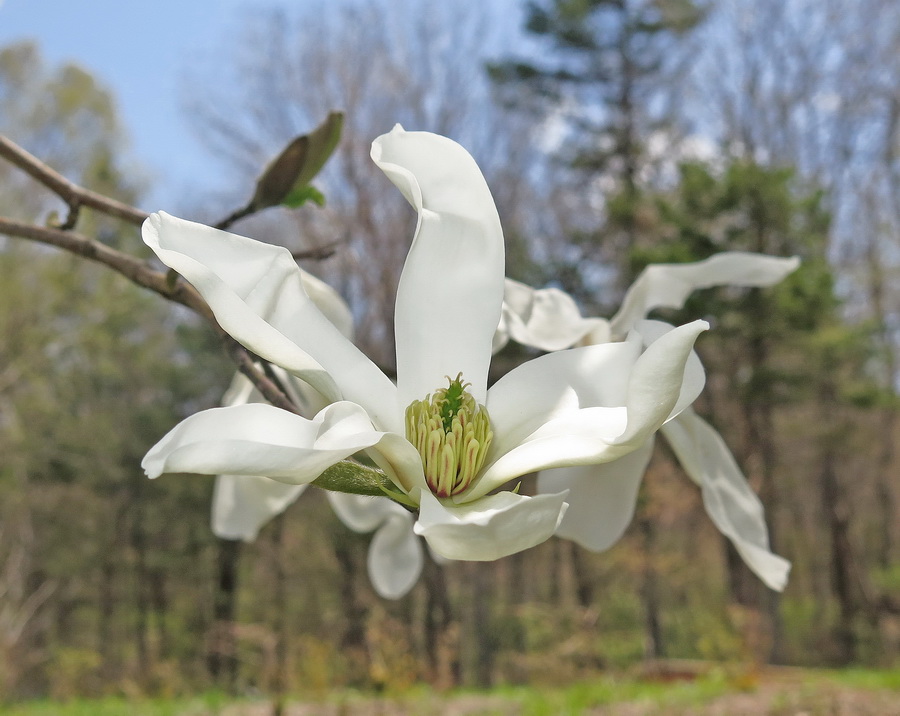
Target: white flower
[(550, 412), (242, 504), (602, 497)]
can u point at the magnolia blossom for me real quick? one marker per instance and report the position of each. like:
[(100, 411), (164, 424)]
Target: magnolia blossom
[(242, 504), (451, 448), (603, 497)]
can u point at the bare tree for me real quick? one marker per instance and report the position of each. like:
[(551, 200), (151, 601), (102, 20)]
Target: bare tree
[(416, 63), (814, 84)]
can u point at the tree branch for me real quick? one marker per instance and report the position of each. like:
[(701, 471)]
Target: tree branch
[(317, 254), (73, 195), (140, 273)]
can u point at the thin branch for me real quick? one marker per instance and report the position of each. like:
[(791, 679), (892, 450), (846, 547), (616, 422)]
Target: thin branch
[(234, 216), (247, 364), (73, 195), (140, 273), (135, 270), (319, 253)]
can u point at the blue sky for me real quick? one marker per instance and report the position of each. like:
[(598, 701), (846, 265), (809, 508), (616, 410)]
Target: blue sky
[(139, 50)]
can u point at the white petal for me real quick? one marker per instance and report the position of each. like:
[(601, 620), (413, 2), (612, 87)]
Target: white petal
[(451, 288), (489, 528), (669, 285), (258, 439), (241, 391), (546, 387), (395, 556), (730, 502), (694, 375), (580, 437), (401, 462), (329, 302), (565, 433), (362, 513), (601, 498), (257, 294), (242, 504), (545, 318)]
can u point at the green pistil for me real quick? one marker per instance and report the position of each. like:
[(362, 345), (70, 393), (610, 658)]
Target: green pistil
[(452, 434)]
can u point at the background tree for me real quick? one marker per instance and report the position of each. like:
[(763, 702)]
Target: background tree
[(776, 357), (94, 370), (814, 86), (604, 88), (107, 581)]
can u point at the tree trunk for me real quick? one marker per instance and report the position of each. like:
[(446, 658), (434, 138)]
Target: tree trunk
[(655, 647), (222, 654), (885, 475), (442, 656), (141, 586), (759, 415), (479, 638), (280, 625), (160, 603), (841, 558), (347, 548)]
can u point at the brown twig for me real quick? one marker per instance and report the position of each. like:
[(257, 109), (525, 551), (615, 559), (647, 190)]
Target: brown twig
[(142, 274), (234, 216), (73, 195), (317, 254)]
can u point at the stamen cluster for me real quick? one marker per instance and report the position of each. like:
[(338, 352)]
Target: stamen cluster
[(452, 434)]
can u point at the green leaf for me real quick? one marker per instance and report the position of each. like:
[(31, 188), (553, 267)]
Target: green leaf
[(354, 478), (299, 195), (297, 164)]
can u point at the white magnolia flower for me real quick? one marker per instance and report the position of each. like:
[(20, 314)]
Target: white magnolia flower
[(243, 504), (602, 497), (444, 440)]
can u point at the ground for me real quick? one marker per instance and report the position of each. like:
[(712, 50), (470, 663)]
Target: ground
[(775, 692)]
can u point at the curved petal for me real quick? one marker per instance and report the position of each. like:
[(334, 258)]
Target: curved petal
[(694, 375), (545, 318), (401, 462), (538, 390), (568, 434), (451, 288), (581, 437), (242, 504), (601, 498), (329, 302), (307, 399), (361, 513), (241, 390), (669, 285), (730, 502), (395, 554), (395, 557), (490, 528), (258, 439), (256, 292)]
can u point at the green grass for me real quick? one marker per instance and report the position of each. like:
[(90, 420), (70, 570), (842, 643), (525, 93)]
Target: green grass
[(528, 701), (117, 706), (578, 698), (865, 678)]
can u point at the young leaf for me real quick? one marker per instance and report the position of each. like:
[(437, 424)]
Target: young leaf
[(296, 165)]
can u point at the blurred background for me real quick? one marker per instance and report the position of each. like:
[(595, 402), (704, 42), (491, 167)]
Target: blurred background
[(613, 133)]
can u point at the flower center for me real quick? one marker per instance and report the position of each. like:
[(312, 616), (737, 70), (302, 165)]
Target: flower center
[(452, 434)]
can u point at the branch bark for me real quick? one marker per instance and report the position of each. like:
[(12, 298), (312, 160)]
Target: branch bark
[(140, 273), (73, 195)]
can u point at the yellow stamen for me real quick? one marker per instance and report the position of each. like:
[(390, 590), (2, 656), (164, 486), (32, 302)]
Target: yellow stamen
[(452, 434)]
